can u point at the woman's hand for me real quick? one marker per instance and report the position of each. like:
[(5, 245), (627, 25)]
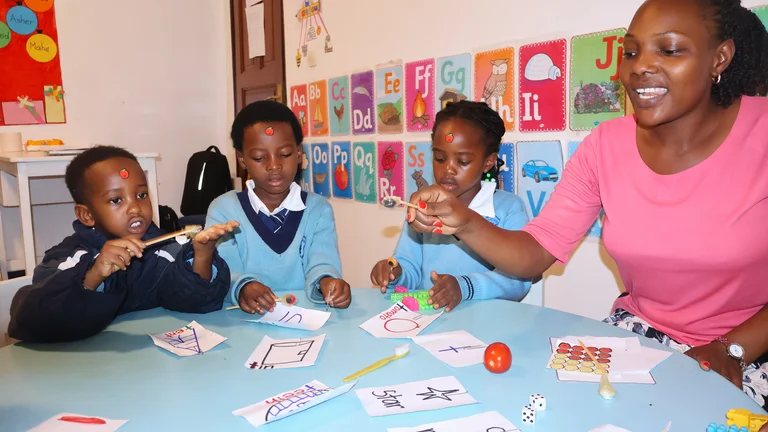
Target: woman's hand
[(713, 356), (440, 211)]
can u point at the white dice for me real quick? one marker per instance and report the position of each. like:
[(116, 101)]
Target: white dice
[(529, 415), (538, 402)]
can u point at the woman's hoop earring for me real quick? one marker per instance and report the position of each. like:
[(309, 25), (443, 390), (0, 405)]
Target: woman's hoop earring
[(716, 81)]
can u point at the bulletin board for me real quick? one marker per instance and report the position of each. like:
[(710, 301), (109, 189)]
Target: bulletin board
[(31, 89)]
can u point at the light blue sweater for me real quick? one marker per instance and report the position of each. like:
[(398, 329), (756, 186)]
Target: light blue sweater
[(418, 254), (312, 255)]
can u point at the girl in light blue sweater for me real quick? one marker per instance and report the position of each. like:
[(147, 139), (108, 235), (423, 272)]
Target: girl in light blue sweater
[(287, 237), (465, 144)]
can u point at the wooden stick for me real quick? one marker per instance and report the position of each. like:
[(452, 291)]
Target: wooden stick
[(594, 359), (189, 231)]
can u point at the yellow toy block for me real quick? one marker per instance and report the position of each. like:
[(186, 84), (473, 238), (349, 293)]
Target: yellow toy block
[(744, 418)]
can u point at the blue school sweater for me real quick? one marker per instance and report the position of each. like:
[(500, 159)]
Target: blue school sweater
[(418, 254), (305, 251)]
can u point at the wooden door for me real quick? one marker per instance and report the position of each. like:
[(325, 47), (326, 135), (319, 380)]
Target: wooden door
[(262, 77)]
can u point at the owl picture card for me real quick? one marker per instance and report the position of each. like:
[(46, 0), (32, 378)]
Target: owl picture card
[(495, 82)]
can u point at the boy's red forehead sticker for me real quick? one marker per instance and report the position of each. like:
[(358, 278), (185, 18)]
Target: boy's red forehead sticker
[(124, 173), (269, 131), (449, 138)]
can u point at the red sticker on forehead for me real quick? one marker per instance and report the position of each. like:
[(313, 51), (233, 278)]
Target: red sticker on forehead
[(269, 131), (124, 173), (449, 138)]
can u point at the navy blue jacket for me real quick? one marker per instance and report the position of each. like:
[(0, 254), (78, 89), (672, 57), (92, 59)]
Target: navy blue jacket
[(57, 308)]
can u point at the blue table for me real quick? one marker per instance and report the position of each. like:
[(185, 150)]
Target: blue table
[(121, 374)]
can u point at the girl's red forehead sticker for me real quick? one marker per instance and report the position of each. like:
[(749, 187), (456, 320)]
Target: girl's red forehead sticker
[(269, 131), (124, 173), (449, 138)]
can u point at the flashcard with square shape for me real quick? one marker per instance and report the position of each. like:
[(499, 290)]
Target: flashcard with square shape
[(419, 95), (389, 99), (341, 167), (453, 79), (364, 172), (362, 100), (338, 101), (541, 75), (540, 166), (495, 82), (321, 181), (297, 100)]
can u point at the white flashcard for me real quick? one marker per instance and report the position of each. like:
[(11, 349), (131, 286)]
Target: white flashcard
[(294, 317), (431, 394), (189, 340), (398, 322), (286, 353), (456, 348)]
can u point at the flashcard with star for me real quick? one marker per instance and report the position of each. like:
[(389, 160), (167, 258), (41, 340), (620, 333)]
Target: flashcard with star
[(431, 394)]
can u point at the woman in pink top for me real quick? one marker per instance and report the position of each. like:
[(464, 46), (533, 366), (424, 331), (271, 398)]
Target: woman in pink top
[(684, 186)]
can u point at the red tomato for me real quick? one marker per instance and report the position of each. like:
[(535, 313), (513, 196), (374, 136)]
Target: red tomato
[(498, 357)]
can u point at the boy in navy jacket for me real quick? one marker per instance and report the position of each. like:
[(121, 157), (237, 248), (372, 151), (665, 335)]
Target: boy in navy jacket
[(105, 269)]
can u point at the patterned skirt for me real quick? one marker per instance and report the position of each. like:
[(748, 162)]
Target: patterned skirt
[(755, 380)]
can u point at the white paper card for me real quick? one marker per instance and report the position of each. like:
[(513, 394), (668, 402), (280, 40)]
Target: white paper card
[(189, 340), (609, 428), (285, 353), (254, 22), (398, 322), (490, 421), (283, 405), (295, 317), (431, 394), (68, 422), (456, 348)]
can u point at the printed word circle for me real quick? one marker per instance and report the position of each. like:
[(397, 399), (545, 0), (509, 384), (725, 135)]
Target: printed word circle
[(21, 20), (39, 5), (41, 48), (5, 35), (400, 325)]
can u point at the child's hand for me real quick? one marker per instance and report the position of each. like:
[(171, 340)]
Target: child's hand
[(115, 255), (256, 297), (205, 240), (445, 292), (336, 292), (382, 274)]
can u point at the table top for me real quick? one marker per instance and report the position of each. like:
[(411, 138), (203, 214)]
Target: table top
[(42, 156), (120, 374)]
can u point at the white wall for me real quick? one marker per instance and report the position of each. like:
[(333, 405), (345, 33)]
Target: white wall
[(147, 75), (367, 33)]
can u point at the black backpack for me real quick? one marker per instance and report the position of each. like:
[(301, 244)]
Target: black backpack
[(207, 178), (169, 221)]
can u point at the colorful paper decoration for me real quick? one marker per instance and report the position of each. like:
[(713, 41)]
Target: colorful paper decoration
[(313, 27), (364, 172), (297, 100), (318, 108), (362, 103), (419, 91), (389, 99), (341, 167), (390, 169), (453, 80), (339, 109), (541, 76), (321, 181), (495, 82), (539, 169), (596, 92), (418, 167)]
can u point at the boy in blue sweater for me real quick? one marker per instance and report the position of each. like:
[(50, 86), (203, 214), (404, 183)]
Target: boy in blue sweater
[(105, 269), (465, 144), (287, 237)]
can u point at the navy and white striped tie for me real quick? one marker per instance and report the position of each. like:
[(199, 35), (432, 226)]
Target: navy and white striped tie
[(274, 222)]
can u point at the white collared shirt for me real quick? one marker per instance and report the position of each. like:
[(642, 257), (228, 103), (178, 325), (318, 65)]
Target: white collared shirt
[(482, 203), (292, 202)]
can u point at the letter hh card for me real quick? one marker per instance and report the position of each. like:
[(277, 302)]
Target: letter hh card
[(341, 165), (364, 172), (297, 100), (540, 166), (541, 76), (391, 170), (418, 167), (453, 82), (318, 108), (338, 101), (495, 82), (419, 91), (321, 182), (362, 103), (596, 92), (389, 99)]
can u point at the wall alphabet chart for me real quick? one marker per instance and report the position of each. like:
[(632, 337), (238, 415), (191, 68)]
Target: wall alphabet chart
[(418, 167), (507, 171), (419, 99), (286, 353), (192, 339), (431, 394), (540, 167), (596, 92), (341, 165), (338, 101), (389, 98), (306, 170), (398, 322), (318, 108), (495, 82), (490, 421), (297, 100), (31, 90), (321, 181), (362, 97), (541, 75), (364, 172), (291, 402), (295, 317), (391, 182), (453, 79)]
